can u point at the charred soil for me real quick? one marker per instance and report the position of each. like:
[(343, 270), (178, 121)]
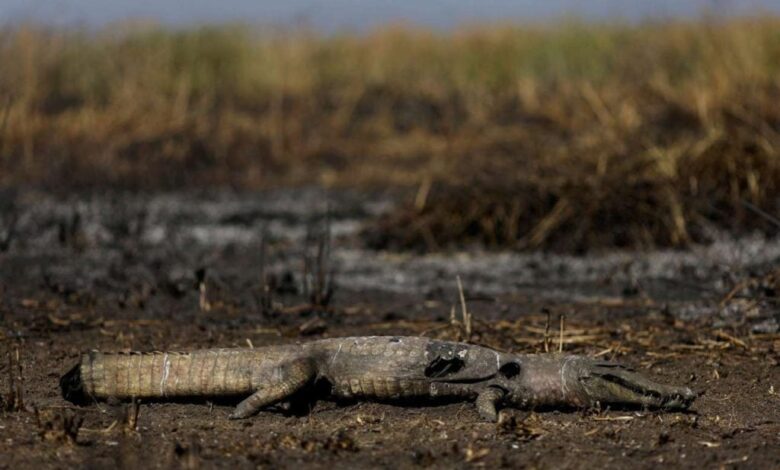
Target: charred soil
[(70, 283)]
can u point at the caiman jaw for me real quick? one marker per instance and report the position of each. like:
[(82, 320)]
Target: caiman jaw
[(606, 383)]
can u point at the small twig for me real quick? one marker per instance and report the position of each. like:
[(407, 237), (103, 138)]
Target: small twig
[(560, 341), (615, 351), (266, 293), (131, 416), (464, 311), (732, 339), (547, 331), (604, 352), (422, 193), (15, 399), (318, 284), (20, 381), (10, 232), (4, 123), (734, 291), (10, 401), (320, 280), (306, 271), (757, 210), (614, 418), (324, 271), (579, 339), (203, 301), (102, 431)]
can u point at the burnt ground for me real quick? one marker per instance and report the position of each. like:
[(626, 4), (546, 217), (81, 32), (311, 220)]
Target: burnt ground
[(124, 272)]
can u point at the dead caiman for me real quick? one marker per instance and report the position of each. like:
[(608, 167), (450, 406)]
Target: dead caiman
[(383, 368)]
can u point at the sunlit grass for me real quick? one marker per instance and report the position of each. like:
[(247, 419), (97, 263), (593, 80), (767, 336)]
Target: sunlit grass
[(678, 122)]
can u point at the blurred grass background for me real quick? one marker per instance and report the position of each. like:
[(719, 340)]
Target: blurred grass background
[(563, 136)]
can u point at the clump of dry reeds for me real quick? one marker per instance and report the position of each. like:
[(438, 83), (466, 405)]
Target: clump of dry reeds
[(567, 135), (631, 202)]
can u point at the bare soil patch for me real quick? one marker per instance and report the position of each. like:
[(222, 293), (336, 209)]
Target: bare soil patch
[(81, 293)]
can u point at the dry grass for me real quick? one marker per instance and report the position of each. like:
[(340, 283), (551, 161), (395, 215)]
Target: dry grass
[(561, 136)]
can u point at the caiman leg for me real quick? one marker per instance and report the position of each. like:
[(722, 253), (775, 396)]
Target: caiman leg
[(274, 385), (487, 401)]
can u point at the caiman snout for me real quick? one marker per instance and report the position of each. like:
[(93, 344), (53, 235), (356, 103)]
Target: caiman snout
[(605, 383)]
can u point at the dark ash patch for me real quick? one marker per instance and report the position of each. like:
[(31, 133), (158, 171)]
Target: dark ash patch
[(72, 386)]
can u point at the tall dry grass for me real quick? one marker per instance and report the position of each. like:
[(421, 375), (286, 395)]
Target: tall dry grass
[(568, 135)]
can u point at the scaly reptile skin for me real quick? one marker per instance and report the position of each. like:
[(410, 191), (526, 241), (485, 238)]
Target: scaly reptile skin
[(374, 367)]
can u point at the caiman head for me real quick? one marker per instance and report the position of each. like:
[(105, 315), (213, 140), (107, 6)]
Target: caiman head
[(547, 380), (541, 380)]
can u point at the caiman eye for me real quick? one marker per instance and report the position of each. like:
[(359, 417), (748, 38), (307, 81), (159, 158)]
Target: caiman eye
[(510, 369)]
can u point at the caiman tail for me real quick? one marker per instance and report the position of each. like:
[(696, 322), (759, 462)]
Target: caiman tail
[(213, 372)]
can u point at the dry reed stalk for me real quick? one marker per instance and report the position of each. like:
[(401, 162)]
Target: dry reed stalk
[(466, 315)]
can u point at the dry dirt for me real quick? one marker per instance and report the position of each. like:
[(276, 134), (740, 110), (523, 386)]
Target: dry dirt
[(118, 273)]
